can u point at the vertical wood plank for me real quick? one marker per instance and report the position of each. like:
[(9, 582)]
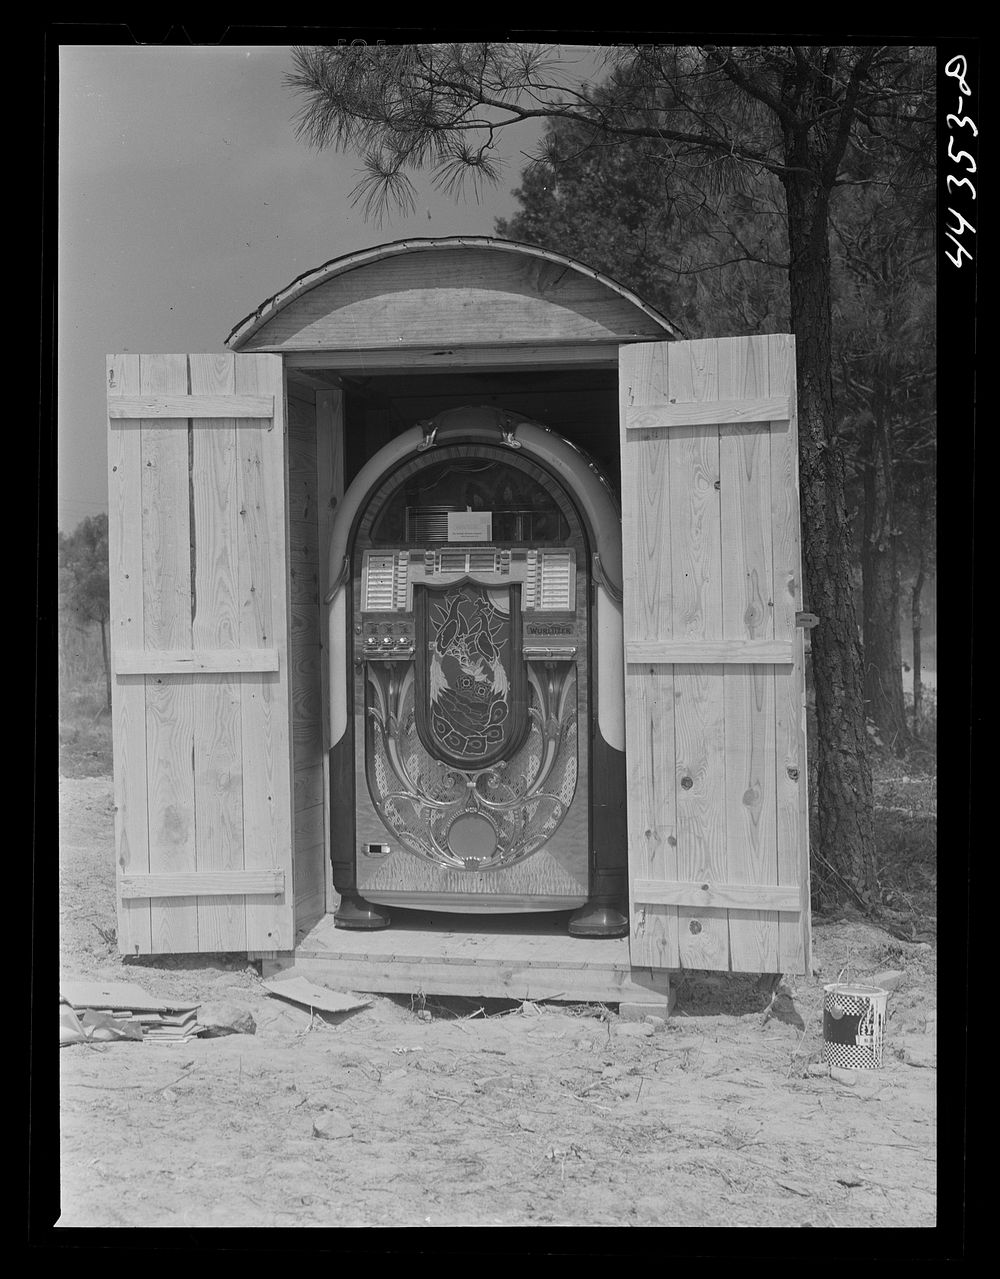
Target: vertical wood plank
[(649, 691), (330, 468), (791, 774), (697, 552), (267, 767), (218, 746), (128, 697), (748, 603), (305, 581), (166, 576), (652, 822)]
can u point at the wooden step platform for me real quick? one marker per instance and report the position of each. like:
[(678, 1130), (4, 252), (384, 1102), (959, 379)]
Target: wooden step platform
[(526, 956)]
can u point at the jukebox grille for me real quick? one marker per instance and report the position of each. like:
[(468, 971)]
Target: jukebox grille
[(524, 798)]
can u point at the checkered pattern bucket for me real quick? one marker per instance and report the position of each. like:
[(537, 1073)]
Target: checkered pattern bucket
[(853, 1026)]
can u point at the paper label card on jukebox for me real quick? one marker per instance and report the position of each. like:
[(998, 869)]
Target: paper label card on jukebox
[(470, 526)]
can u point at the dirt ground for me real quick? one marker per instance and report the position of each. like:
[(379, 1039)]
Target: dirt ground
[(488, 1113)]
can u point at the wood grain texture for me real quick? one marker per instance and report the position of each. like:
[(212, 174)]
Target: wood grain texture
[(791, 772), (303, 541), (128, 698), (200, 645), (726, 896), (530, 260), (530, 956), (730, 522), (303, 585), (307, 788), (454, 295), (166, 577), (748, 611), (648, 614), (696, 550), (267, 762), (510, 357), (686, 652), (221, 661), (221, 886), (305, 651), (708, 412), (309, 826), (218, 744), (182, 407), (330, 463)]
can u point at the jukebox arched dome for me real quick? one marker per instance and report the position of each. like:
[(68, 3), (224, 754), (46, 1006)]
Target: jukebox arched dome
[(460, 291)]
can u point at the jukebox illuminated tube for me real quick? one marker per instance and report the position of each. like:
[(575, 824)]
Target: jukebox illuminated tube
[(610, 670), (369, 475)]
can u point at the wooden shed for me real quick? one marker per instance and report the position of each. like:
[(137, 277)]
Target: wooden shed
[(227, 474)]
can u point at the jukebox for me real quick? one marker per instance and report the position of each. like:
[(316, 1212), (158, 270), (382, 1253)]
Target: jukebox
[(476, 679)]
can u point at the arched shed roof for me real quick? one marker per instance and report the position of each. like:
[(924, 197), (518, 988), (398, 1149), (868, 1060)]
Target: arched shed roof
[(459, 291)]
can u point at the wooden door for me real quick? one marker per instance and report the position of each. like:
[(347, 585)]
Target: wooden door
[(197, 533), (714, 662)]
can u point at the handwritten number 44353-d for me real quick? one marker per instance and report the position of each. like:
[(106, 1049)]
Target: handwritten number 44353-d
[(957, 68)]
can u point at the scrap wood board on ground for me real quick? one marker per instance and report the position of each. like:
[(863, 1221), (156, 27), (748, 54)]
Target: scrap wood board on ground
[(117, 996)]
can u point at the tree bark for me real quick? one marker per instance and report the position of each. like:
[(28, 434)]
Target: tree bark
[(844, 803), (916, 622), (880, 588)]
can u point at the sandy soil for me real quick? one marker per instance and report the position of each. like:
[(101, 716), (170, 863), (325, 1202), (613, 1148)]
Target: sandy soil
[(488, 1113)]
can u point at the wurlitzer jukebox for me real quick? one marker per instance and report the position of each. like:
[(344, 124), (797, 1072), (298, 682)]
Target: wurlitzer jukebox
[(476, 680)]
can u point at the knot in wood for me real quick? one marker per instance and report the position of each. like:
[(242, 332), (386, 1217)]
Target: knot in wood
[(686, 783)]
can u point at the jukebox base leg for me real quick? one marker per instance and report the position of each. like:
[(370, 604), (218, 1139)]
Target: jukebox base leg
[(598, 919), (355, 912)]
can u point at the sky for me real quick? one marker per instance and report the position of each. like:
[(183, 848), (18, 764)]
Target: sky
[(184, 201)]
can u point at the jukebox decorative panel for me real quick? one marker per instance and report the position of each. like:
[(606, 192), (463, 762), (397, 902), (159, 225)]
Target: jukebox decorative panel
[(470, 636)]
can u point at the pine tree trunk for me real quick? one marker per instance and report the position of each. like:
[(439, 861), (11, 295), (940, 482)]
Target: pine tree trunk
[(845, 843), (916, 622), (880, 590)]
